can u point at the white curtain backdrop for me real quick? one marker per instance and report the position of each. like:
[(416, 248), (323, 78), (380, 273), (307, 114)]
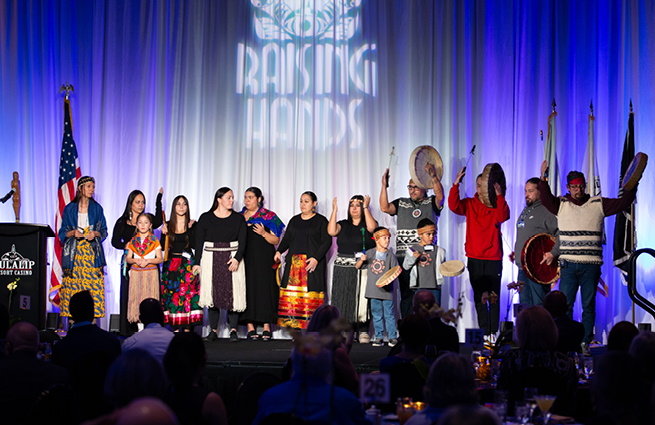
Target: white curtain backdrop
[(312, 95)]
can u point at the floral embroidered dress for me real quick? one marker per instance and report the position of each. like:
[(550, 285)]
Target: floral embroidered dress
[(179, 287)]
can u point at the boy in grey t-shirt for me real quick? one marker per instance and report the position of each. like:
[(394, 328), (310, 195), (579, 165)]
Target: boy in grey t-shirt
[(378, 261)]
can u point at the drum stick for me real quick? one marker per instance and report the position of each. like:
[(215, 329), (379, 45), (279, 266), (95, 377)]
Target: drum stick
[(469, 158), (391, 155)]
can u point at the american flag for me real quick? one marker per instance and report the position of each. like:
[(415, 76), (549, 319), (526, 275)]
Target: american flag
[(69, 173)]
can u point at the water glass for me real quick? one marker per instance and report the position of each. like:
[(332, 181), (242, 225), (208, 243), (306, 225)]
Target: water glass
[(588, 366), (523, 412)]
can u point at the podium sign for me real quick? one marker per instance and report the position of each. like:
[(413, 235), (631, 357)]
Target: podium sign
[(23, 261)]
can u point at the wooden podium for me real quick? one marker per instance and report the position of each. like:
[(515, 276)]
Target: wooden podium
[(23, 255)]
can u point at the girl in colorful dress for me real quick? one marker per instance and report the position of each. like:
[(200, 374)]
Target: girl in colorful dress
[(302, 287), (144, 255), (83, 228), (262, 292), (179, 286)]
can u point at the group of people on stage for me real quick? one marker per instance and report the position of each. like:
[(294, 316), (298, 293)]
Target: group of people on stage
[(228, 260)]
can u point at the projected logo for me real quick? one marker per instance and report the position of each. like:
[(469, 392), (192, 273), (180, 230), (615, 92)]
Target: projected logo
[(304, 75)]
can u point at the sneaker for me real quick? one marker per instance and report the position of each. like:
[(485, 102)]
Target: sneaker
[(211, 337), (234, 337), (377, 342), (364, 338), (585, 349), (393, 342)]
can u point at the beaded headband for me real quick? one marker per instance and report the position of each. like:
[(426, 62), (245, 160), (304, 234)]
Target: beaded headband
[(429, 228), (382, 232), (84, 180)]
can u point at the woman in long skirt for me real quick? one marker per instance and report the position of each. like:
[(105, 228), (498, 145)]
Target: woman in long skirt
[(179, 286), (220, 244), (354, 236), (83, 228), (262, 292), (302, 287)]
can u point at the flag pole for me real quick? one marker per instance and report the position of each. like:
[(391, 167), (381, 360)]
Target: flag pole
[(632, 228)]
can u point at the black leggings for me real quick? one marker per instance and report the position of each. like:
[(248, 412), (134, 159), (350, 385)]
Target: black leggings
[(485, 276)]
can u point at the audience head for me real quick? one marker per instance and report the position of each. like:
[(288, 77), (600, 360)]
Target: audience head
[(311, 357), (23, 336), (618, 389), (81, 307), (451, 381), (621, 336), (134, 374), (150, 311), (422, 303), (185, 359), (642, 349), (322, 318), (147, 411), (536, 329), (414, 331), (556, 304), (469, 415)]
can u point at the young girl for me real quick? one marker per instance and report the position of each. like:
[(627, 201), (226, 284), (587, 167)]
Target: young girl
[(144, 254), (179, 286)]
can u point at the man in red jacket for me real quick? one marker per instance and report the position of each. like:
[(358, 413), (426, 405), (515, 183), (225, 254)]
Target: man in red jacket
[(484, 249)]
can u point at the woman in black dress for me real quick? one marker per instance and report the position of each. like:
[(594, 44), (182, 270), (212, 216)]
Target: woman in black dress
[(354, 235), (123, 232), (220, 245), (303, 285), (262, 292)]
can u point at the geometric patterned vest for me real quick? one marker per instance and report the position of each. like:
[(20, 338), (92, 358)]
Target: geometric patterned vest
[(581, 231)]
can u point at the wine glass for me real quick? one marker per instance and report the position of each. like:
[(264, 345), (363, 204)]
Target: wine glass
[(404, 409), (522, 412), (545, 402), (528, 396), (588, 366)]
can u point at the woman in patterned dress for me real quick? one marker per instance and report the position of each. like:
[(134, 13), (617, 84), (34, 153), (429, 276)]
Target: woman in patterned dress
[(302, 287), (83, 228), (179, 286)]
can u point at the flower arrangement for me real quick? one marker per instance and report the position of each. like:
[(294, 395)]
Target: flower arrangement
[(12, 287)]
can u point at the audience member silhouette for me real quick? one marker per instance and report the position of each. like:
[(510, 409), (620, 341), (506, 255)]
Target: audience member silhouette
[(451, 382), (619, 391), (344, 374), (134, 374), (536, 363), (87, 352), (308, 395), (469, 415), (442, 336), (184, 364), (642, 349), (23, 377), (621, 336), (154, 338), (570, 332)]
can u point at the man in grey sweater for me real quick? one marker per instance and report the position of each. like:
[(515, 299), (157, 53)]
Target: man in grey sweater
[(534, 219)]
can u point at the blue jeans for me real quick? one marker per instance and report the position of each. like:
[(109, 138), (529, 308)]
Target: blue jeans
[(533, 293), (378, 308), (585, 277)]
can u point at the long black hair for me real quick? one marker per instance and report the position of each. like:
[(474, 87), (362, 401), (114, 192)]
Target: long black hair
[(130, 200), (361, 207), (172, 223), (258, 194), (219, 194)]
